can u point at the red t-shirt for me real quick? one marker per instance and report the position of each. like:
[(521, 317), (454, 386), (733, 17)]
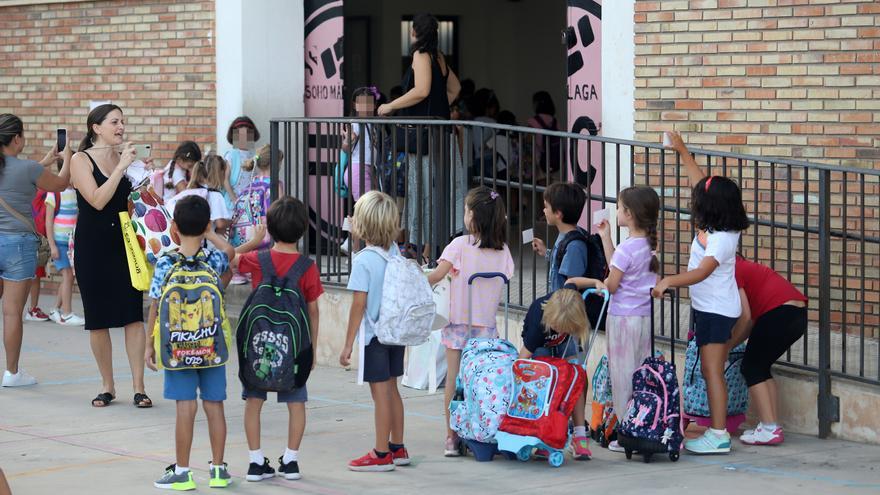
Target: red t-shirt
[(309, 283), (766, 289)]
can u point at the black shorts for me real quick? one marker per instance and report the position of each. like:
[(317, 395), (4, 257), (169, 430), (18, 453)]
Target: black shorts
[(382, 362), (712, 328), (773, 333)]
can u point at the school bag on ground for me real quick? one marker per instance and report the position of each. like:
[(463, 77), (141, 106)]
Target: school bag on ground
[(696, 398), (191, 330), (597, 268), (652, 422), (274, 336), (603, 420), (486, 380), (407, 308)]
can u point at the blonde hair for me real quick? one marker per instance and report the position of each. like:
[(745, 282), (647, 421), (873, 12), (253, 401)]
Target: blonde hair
[(261, 159), (376, 219), (210, 172), (565, 313)]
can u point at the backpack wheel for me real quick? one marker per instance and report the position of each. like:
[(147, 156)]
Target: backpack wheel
[(647, 458), (556, 459), (673, 456), (524, 453), (628, 453)]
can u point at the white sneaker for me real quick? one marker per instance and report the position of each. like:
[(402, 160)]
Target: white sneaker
[(55, 315), (70, 320), (238, 280), (763, 436), (615, 447), (20, 379)]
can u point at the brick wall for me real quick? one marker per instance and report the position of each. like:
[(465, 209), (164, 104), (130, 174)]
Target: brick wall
[(791, 78), (154, 58)]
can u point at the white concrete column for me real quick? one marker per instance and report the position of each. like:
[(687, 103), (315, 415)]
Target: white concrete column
[(618, 79)]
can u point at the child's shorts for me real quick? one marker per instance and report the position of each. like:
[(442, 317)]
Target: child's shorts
[(382, 362), (63, 261), (712, 328), (182, 384), (456, 336), (296, 395)]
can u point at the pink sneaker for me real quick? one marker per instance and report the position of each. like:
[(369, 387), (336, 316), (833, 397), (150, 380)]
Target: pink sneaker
[(580, 449), (238, 280), (763, 437)]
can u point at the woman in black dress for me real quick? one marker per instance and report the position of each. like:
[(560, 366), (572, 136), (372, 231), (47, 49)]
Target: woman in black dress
[(109, 300)]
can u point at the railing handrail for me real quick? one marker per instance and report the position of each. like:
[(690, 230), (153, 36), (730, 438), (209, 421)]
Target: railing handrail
[(571, 135)]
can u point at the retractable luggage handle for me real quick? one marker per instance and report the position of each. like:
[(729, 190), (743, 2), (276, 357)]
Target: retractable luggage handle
[(672, 313), (488, 275), (606, 295)]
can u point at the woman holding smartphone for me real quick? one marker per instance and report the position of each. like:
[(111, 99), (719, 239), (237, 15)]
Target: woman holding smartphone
[(109, 301)]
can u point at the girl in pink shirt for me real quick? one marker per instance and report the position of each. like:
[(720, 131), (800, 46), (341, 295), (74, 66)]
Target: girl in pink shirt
[(484, 250)]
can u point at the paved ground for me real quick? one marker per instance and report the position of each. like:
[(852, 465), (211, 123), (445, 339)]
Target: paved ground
[(52, 441)]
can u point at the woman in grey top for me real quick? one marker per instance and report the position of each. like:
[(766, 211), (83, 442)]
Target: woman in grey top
[(19, 180)]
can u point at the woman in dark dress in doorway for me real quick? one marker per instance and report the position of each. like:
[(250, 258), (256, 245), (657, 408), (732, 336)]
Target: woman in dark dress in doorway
[(109, 300)]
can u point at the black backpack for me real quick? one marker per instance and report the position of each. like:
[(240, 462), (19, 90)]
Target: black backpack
[(552, 145), (597, 268), (274, 340)]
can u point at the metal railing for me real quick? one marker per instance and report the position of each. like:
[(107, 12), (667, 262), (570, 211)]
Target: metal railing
[(817, 225)]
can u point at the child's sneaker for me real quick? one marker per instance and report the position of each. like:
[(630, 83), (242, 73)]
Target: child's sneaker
[(290, 471), (20, 379), (238, 279), (171, 481), (372, 462), (709, 443), (580, 448), (762, 436), (36, 314), (400, 457), (615, 447), (220, 477), (260, 472), (452, 448)]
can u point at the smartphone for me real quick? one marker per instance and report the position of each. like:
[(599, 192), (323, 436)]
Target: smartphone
[(61, 138), (142, 151)]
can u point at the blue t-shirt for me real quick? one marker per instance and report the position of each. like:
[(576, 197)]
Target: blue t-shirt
[(574, 263), (217, 260), (368, 275)]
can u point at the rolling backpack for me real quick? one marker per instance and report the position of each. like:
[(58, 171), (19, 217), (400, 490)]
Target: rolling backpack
[(407, 308), (485, 380), (191, 330), (597, 268), (696, 398), (274, 337)]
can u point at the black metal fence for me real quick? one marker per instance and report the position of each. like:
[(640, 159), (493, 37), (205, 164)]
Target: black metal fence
[(817, 225)]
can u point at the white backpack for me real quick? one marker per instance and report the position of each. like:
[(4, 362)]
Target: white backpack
[(407, 310)]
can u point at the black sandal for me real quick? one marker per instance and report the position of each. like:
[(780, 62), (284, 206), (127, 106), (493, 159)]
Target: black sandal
[(103, 399), (141, 401)]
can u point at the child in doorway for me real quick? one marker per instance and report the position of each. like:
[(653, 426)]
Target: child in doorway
[(242, 135), (356, 138), (206, 181), (483, 250), (287, 219), (719, 217), (376, 221), (61, 212), (192, 222), (634, 269), (563, 204), (556, 325)]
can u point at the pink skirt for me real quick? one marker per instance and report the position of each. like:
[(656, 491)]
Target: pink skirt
[(456, 336)]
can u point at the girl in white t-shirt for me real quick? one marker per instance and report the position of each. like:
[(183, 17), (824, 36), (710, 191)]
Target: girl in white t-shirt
[(207, 179), (177, 174), (719, 216)]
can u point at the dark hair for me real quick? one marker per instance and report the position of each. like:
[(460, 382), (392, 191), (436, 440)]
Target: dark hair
[(187, 150), (542, 102), (242, 121), (489, 221), (506, 117), (10, 126), (287, 219), (717, 205), (425, 26), (370, 91), (467, 88), (192, 214), (567, 198), (644, 206), (96, 117)]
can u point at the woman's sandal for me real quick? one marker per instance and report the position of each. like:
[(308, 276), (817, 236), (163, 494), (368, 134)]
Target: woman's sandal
[(103, 399), (141, 401)]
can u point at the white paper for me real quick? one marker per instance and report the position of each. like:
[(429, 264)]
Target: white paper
[(137, 172), (667, 141), (97, 103), (600, 215), (346, 225), (528, 236)]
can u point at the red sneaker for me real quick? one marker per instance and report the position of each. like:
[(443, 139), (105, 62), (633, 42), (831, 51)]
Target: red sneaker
[(372, 462), (400, 457)]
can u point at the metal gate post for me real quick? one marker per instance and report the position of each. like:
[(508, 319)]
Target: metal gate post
[(828, 404)]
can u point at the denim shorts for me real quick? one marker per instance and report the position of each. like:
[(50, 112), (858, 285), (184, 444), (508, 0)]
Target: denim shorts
[(18, 256), (63, 261), (300, 394), (183, 384), (712, 328)]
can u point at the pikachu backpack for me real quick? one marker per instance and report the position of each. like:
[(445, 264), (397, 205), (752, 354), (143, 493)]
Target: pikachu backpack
[(191, 331)]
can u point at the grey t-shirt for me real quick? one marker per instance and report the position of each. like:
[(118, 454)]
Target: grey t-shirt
[(18, 186)]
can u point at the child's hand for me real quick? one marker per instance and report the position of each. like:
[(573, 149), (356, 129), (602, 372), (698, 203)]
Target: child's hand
[(660, 288), (675, 142), (345, 356), (150, 357), (600, 286), (539, 247), (259, 231), (605, 229), (53, 250)]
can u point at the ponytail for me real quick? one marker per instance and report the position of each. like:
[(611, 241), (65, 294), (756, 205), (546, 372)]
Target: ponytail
[(10, 126), (652, 240)]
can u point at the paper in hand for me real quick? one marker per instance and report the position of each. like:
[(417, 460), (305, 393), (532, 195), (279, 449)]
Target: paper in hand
[(346, 224), (600, 215), (137, 172), (528, 236)]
